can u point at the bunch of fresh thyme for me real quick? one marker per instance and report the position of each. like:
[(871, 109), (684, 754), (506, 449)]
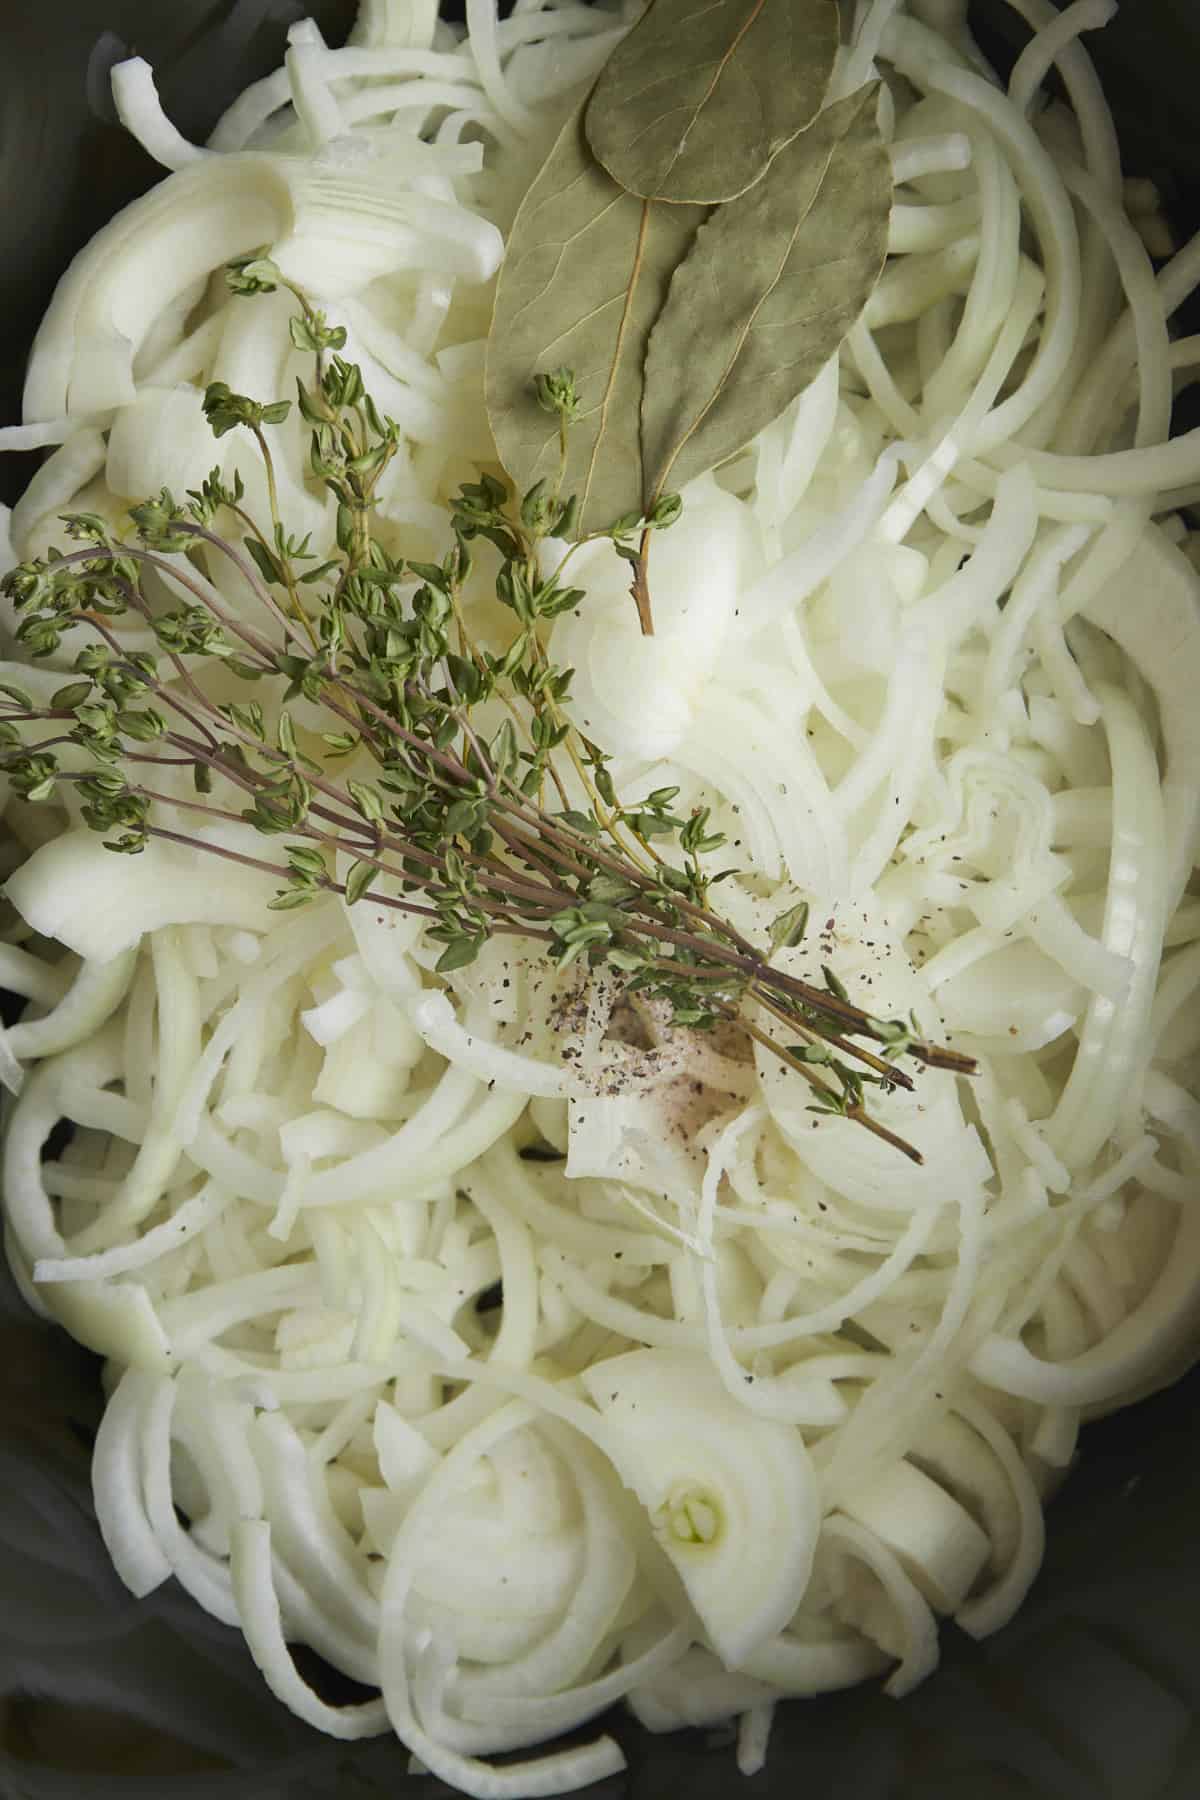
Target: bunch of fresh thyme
[(473, 831)]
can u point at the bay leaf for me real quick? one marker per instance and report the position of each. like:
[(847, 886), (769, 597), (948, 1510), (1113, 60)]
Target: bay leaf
[(771, 285), (695, 103), (584, 278)]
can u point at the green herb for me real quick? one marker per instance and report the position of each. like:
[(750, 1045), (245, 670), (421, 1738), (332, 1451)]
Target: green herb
[(466, 826), (694, 325), (765, 295), (789, 928), (702, 94), (586, 271)]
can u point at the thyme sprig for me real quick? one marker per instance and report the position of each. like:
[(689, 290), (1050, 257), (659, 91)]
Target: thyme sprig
[(440, 774)]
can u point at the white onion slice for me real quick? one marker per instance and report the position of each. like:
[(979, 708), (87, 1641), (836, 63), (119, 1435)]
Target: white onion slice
[(261, 1621), (140, 111), (117, 1486), (731, 1497)]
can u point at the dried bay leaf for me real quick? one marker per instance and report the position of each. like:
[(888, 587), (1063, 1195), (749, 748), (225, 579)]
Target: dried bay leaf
[(583, 280), (695, 103), (773, 282)]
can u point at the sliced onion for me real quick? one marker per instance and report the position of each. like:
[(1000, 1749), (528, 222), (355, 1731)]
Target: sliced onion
[(1148, 1338), (117, 1487), (731, 1497), (888, 1609), (261, 1621), (935, 1539), (99, 906), (434, 1019), (1163, 641), (140, 111)]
